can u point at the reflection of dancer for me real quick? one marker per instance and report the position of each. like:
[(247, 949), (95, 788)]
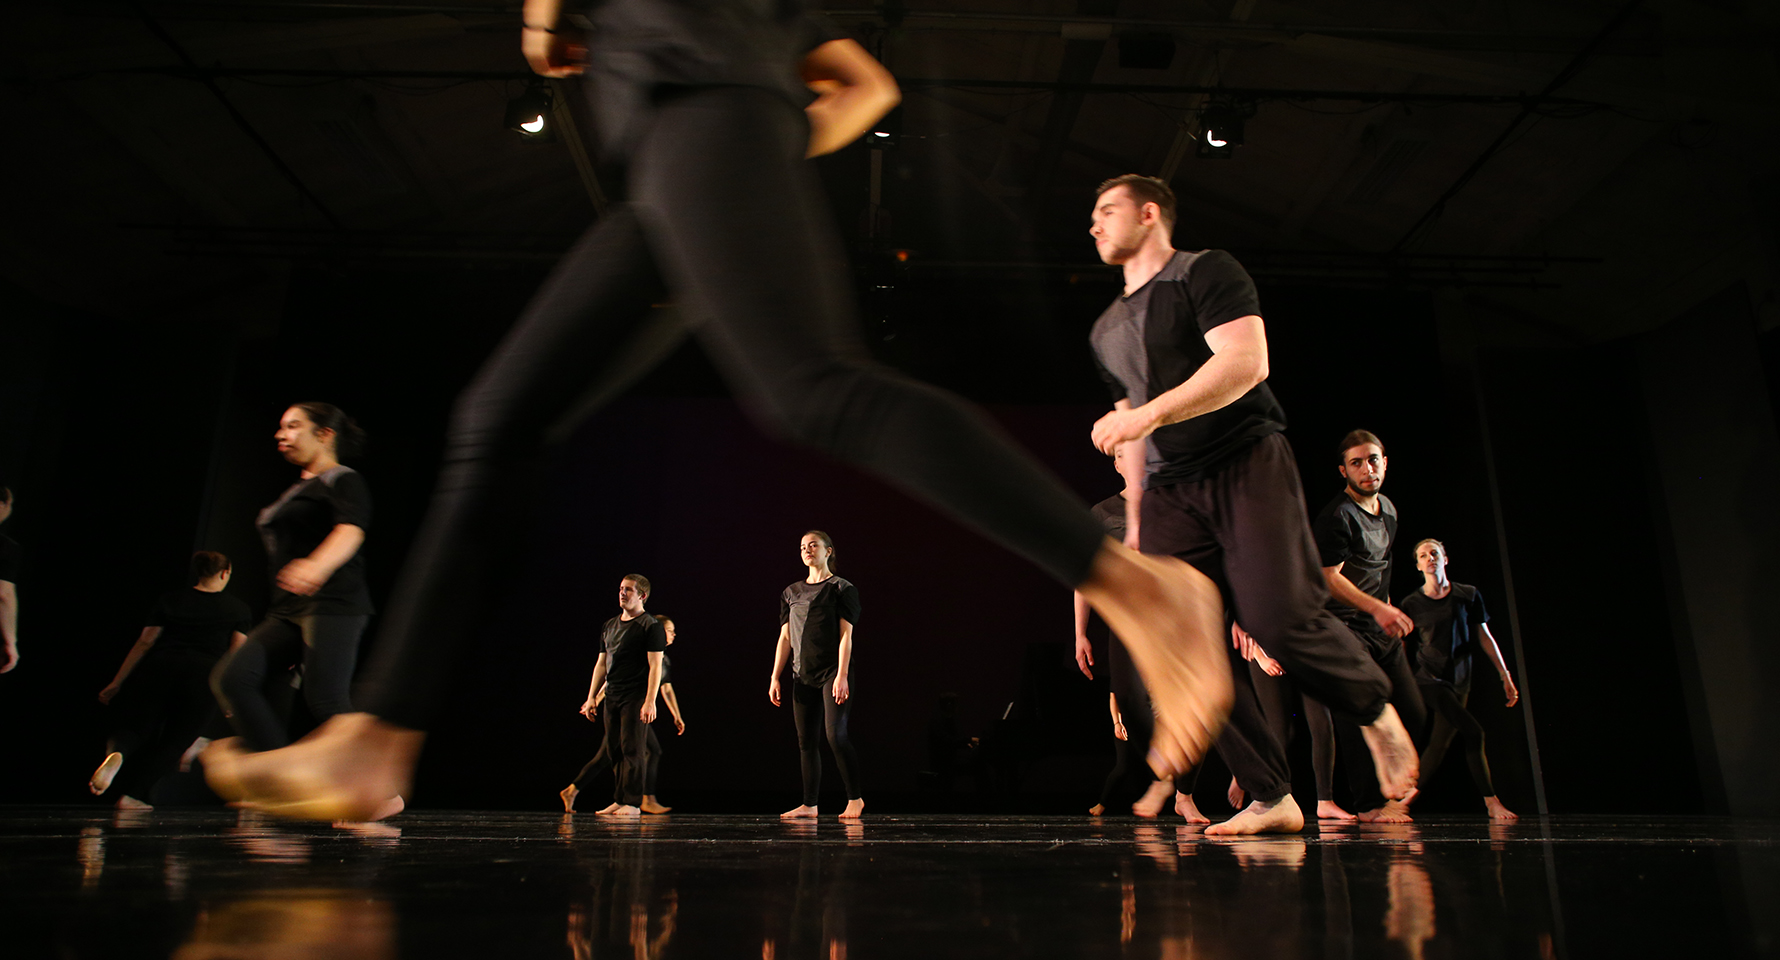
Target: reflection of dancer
[(1184, 351), (320, 604), (169, 701), (701, 99), (627, 677), (1453, 624), (817, 616), (1354, 533)]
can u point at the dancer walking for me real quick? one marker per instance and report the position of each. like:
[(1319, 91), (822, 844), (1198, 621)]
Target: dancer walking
[(1354, 534), (1452, 624), (652, 778), (708, 105), (168, 701), (607, 760), (626, 677), (817, 616), (1184, 352)]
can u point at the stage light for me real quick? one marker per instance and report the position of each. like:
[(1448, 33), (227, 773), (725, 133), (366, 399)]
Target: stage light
[(1220, 131), (887, 132), (529, 114)]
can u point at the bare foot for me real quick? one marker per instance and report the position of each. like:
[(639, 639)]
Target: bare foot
[(855, 809), (127, 802), (805, 812), (625, 812), (1099, 809), (1393, 754), (1497, 811), (1171, 620), (1330, 810), (1154, 798), (608, 809), (1184, 805), (1393, 811), (650, 805), (1234, 794), (1280, 816), (568, 795), (107, 772), (347, 769)]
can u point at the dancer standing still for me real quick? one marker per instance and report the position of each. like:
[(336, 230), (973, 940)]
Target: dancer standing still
[(1452, 624), (816, 619), (1354, 534), (606, 760), (167, 705), (1184, 352), (626, 677), (314, 535), (708, 105)]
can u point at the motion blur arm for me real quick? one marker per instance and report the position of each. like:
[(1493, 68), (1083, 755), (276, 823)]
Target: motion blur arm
[(9, 625), (853, 91)]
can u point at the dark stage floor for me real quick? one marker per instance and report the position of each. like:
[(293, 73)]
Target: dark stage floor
[(215, 884)]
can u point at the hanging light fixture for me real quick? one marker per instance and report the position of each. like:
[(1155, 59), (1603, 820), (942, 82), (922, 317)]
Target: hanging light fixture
[(529, 114)]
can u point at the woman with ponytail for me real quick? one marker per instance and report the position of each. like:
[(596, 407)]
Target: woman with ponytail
[(314, 534)]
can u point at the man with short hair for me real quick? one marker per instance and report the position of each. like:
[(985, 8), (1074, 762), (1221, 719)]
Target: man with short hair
[(1184, 351), (629, 667), (11, 557), (1354, 533)]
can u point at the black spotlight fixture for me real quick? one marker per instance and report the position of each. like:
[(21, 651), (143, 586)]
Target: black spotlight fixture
[(1220, 130), (1146, 51), (885, 134), (529, 114)]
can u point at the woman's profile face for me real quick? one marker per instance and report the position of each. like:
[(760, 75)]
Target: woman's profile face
[(668, 628), (813, 551), (297, 437)]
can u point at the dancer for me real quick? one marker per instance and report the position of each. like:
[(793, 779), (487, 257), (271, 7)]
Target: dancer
[(606, 759), (314, 535), (1354, 533), (1452, 624), (10, 560), (626, 677), (1184, 352), (701, 99), (817, 616), (651, 804), (169, 701)]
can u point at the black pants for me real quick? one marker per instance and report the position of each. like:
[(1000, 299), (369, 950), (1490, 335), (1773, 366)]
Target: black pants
[(326, 646), (815, 712), (1450, 717), (726, 216), (1245, 527), (603, 761), (1131, 755), (161, 709), (1279, 697), (1362, 778), (627, 748)]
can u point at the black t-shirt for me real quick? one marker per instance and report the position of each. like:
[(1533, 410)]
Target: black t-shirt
[(636, 46), (196, 624), (12, 557), (628, 644), (1154, 340), (1361, 543), (814, 612), (1445, 629), (1111, 514), (664, 669), (297, 523)]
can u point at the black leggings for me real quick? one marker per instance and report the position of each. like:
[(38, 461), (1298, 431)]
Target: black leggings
[(724, 215), (1450, 717), (1406, 696), (159, 712), (1277, 696), (326, 646), (814, 710), (602, 761)]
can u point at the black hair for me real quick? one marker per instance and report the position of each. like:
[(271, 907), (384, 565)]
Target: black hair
[(1357, 438), (349, 437), (207, 564)]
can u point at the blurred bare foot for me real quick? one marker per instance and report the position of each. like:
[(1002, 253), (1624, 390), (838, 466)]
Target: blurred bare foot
[(1393, 811), (651, 806), (625, 812), (1171, 620), (347, 769), (1280, 816), (1099, 809), (855, 809), (1234, 794), (568, 795), (1393, 754), (1330, 810), (1184, 805), (127, 802), (805, 812), (1497, 811), (1154, 799), (107, 772), (608, 809)]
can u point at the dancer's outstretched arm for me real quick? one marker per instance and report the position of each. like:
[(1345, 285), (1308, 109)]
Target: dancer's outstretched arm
[(590, 708), (781, 653), (1494, 649), (853, 91), (144, 642)]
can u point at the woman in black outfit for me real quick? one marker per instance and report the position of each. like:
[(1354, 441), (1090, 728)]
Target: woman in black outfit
[(313, 534), (713, 106), (168, 703), (816, 619)]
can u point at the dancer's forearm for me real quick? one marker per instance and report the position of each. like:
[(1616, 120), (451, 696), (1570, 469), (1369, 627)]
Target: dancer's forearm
[(853, 91), (144, 643)]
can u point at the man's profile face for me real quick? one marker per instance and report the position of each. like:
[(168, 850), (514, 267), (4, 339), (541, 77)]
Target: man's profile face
[(629, 597), (1362, 466), (1121, 224)]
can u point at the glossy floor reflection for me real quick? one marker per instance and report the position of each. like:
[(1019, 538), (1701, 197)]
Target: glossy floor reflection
[(213, 885)]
